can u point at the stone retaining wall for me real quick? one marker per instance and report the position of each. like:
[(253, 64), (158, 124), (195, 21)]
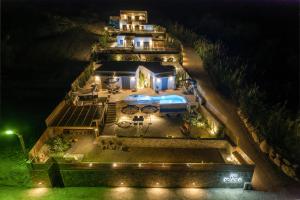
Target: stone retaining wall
[(291, 170), (55, 112), (156, 175)]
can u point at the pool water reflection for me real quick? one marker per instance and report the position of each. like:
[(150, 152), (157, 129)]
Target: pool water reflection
[(164, 99)]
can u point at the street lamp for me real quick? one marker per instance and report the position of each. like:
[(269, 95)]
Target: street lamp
[(11, 132)]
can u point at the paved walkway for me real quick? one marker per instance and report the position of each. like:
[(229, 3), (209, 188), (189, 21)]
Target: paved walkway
[(266, 176)]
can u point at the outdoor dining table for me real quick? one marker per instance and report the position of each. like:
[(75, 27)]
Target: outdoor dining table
[(138, 119)]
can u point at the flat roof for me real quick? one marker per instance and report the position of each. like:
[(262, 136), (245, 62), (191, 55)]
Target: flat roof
[(77, 116), (133, 11), (132, 66), (143, 33)]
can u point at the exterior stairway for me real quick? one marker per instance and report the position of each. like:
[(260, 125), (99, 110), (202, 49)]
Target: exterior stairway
[(111, 113)]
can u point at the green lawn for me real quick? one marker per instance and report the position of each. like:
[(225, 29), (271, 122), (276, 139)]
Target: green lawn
[(13, 170), (155, 155), (101, 193)]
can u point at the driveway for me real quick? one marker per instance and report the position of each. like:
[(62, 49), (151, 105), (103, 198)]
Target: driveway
[(266, 175)]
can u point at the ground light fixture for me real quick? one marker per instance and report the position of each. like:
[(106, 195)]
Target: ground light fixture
[(12, 132), (97, 78), (229, 158), (114, 164)]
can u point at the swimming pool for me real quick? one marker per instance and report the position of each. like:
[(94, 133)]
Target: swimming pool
[(163, 99)]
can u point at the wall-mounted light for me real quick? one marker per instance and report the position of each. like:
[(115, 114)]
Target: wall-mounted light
[(97, 78), (171, 78), (229, 158), (118, 57), (132, 78)]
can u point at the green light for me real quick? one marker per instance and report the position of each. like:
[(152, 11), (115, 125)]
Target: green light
[(9, 132)]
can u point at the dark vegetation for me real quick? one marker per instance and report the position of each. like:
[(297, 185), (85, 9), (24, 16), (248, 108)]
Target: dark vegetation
[(42, 51), (268, 103)]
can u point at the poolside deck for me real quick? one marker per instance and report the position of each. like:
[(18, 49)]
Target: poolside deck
[(152, 127), (122, 94)]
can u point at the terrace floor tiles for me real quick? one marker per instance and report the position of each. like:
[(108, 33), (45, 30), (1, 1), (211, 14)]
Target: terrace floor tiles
[(153, 126)]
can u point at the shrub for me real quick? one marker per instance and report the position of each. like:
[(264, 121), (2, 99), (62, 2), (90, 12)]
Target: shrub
[(59, 145)]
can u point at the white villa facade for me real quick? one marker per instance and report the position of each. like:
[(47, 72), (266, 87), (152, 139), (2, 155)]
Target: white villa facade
[(134, 32), (136, 75)]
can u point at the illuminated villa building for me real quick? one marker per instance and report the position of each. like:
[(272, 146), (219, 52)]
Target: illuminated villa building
[(135, 117), (136, 33), (133, 35)]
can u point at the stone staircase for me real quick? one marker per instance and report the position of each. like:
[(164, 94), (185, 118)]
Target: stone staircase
[(111, 113)]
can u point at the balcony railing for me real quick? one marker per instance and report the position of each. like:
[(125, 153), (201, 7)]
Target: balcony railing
[(156, 29), (133, 49)]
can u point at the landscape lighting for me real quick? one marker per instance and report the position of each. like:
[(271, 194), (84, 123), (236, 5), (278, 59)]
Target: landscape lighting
[(9, 132), (12, 132)]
